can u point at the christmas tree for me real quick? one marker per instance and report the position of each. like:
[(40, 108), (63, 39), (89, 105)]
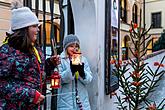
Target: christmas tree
[(137, 80)]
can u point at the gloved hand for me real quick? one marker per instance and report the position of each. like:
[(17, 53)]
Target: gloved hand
[(55, 59), (80, 69), (73, 68)]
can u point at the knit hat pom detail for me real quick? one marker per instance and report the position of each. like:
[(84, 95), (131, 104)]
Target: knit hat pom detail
[(15, 4)]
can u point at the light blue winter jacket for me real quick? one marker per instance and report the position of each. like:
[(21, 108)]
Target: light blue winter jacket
[(67, 96)]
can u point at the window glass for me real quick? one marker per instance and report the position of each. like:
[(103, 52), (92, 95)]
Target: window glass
[(156, 20), (123, 12), (134, 14)]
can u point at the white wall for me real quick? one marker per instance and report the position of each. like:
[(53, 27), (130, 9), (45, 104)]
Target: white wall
[(84, 14), (89, 18)]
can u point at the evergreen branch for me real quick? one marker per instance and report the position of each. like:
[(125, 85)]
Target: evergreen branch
[(141, 77), (145, 39), (142, 69), (147, 102), (141, 108), (153, 85), (133, 36), (134, 43), (148, 43), (162, 108), (133, 64), (159, 65), (161, 104), (120, 103), (150, 71), (128, 77), (131, 52), (146, 80), (161, 72), (144, 29), (154, 82), (126, 90), (145, 32), (143, 54), (140, 36), (145, 49), (124, 70)]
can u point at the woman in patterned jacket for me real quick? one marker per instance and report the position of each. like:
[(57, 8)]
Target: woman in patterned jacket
[(22, 63)]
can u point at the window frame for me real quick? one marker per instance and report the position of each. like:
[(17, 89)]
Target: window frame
[(158, 21), (123, 10), (135, 13), (110, 86)]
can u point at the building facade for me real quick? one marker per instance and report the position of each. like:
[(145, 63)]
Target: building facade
[(154, 16), (5, 17), (89, 25), (129, 12)]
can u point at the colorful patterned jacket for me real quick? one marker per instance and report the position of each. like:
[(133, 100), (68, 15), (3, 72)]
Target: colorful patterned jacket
[(19, 78)]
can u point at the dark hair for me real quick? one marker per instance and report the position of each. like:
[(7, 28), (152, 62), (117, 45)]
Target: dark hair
[(19, 40)]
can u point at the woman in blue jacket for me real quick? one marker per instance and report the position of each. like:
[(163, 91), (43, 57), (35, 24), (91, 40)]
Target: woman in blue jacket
[(73, 94)]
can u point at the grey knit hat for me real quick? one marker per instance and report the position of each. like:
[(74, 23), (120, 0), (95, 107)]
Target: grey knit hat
[(70, 39), (22, 16)]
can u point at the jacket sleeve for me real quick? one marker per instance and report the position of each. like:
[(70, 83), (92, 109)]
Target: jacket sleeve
[(65, 72), (88, 73)]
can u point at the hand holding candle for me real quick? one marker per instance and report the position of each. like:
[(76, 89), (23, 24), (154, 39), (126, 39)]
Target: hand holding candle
[(76, 58), (77, 65)]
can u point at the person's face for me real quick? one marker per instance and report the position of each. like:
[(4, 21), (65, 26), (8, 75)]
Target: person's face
[(32, 32), (72, 48)]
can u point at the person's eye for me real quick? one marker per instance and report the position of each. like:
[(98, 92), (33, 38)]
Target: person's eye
[(71, 46), (77, 46)]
